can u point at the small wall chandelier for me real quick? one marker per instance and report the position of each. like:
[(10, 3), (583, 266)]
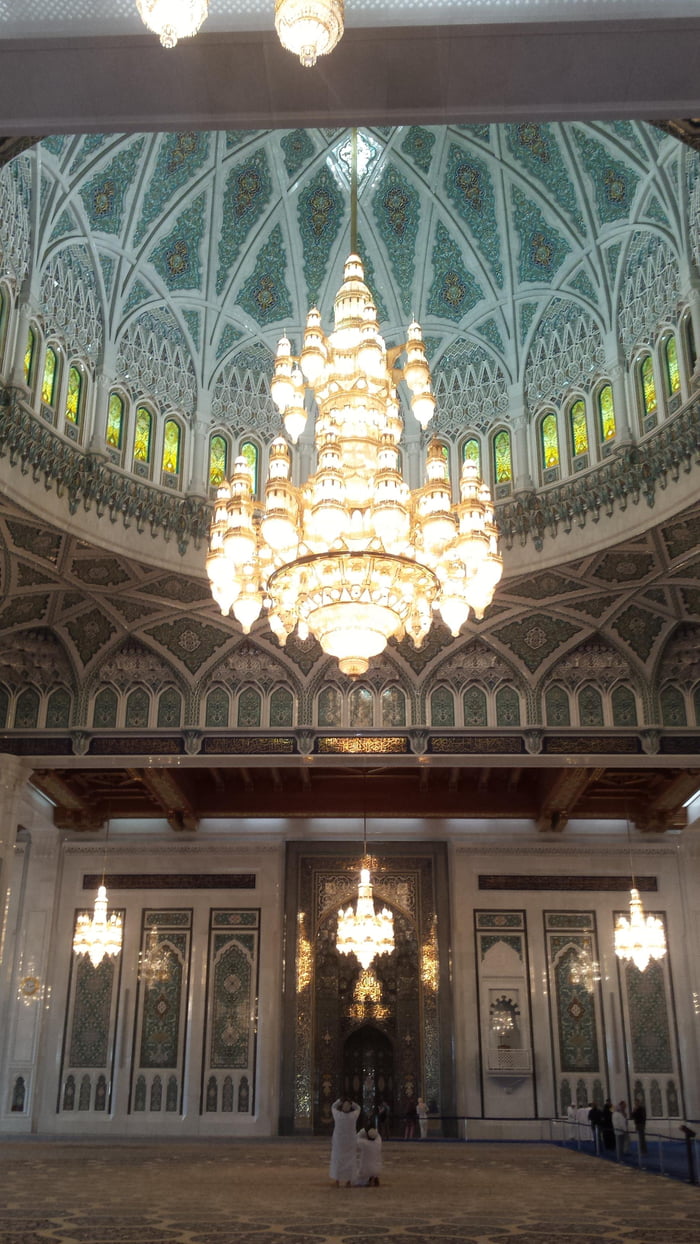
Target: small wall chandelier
[(309, 28), (173, 19), (639, 938), (98, 934), (353, 557), (154, 961)]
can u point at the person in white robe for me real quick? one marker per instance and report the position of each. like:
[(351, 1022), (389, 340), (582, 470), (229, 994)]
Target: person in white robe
[(369, 1158), (344, 1142)]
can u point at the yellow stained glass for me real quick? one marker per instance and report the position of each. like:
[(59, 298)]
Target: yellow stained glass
[(648, 386), (142, 436), (29, 355), (218, 460), (249, 451), (502, 458), (171, 447), (472, 453), (579, 428), (115, 421), (48, 384), (75, 385), (606, 412), (673, 374), (550, 442)]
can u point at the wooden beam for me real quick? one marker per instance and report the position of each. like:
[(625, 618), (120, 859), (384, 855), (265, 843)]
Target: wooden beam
[(560, 800), (166, 792), (666, 810)]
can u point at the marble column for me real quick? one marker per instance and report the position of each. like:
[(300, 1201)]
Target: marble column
[(522, 471), (13, 778), (615, 367)]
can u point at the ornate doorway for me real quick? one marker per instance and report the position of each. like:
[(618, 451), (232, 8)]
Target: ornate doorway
[(368, 1070)]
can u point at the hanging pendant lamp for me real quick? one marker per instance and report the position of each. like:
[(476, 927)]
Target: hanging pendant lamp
[(100, 934), (638, 938), (363, 931)]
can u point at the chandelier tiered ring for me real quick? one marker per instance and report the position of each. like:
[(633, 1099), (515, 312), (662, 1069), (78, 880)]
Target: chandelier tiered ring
[(353, 557)]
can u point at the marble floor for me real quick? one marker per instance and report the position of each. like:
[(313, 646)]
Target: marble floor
[(278, 1192)]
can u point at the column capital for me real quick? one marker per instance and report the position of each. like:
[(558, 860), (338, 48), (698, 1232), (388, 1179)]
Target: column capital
[(14, 773)]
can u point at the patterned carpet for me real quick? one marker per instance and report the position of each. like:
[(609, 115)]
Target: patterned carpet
[(278, 1192)]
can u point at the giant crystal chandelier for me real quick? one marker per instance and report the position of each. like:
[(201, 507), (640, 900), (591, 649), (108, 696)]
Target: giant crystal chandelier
[(353, 557), (100, 934), (173, 19), (309, 28), (639, 938)]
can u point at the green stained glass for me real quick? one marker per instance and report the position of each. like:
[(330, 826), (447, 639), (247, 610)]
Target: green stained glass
[(550, 442), (673, 375), (75, 387), (218, 461), (29, 355), (606, 413), (249, 451), (115, 421), (502, 458), (171, 447), (48, 384), (648, 386), (472, 452), (142, 437), (579, 428)]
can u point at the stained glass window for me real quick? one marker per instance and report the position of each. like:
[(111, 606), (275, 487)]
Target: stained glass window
[(281, 707), (550, 442), (361, 707), (673, 707), (29, 356), (579, 428), (75, 386), (171, 447), (218, 460), (472, 451), (169, 707), (606, 413), (249, 451), (507, 707), (115, 420), (673, 374), (393, 707), (48, 384), (58, 709), (442, 707), (138, 707), (27, 710), (329, 707), (590, 707), (502, 458), (624, 707), (142, 435), (646, 372), (217, 709), (475, 710), (249, 709), (557, 711), (104, 714)]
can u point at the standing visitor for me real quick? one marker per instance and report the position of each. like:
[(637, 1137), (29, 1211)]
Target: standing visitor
[(422, 1111), (620, 1126), (344, 1142), (383, 1118), (411, 1118), (639, 1118)]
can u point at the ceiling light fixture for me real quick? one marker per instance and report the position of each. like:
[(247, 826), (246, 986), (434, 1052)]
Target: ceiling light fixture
[(363, 931), (173, 19), (99, 934), (309, 28), (639, 938), (353, 557)]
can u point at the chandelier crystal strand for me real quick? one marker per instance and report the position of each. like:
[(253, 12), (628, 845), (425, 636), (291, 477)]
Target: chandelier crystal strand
[(353, 557), (309, 28), (173, 19), (639, 938), (99, 934), (363, 931)]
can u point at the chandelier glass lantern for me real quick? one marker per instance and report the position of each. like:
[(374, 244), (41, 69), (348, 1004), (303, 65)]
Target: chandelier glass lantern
[(100, 934), (353, 557), (173, 19), (639, 938), (363, 931), (309, 28)]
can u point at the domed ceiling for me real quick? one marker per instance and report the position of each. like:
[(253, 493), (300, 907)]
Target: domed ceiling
[(196, 248)]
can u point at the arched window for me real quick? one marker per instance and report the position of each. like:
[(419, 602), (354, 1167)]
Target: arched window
[(393, 703), (579, 428), (142, 434), (171, 447), (624, 707), (169, 707), (73, 395), (249, 451), (606, 414), (218, 708), (50, 377), (27, 710), (330, 707), (361, 708), (471, 452), (104, 713), (673, 707), (138, 707), (672, 371), (507, 707), (556, 707), (648, 387), (442, 707), (29, 356), (549, 438), (590, 707), (115, 421), (249, 709), (218, 461), (475, 711), (502, 460), (58, 709), (281, 707)]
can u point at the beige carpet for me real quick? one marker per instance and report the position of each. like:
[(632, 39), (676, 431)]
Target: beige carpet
[(278, 1192)]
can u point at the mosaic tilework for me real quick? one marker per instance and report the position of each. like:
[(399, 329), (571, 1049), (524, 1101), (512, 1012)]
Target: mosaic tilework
[(232, 1000), (536, 638), (298, 149), (371, 280), (89, 145), (248, 190), (575, 1004), (536, 148), (650, 1032), (396, 211), (614, 183), (104, 196), (228, 339), (469, 188), (64, 225), (160, 1018), (179, 157), (583, 285), (418, 146), (321, 211), (107, 265), (490, 331), (454, 290), (177, 257), (138, 294), (542, 248), (528, 311), (88, 1048), (265, 295)]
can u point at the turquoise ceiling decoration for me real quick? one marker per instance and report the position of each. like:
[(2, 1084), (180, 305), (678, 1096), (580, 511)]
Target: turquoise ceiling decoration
[(472, 229)]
